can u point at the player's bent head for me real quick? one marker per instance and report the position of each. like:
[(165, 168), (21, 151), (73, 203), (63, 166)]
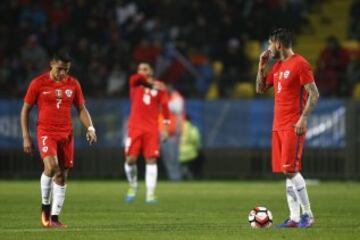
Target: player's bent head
[(60, 64), (145, 68), (62, 56), (282, 36)]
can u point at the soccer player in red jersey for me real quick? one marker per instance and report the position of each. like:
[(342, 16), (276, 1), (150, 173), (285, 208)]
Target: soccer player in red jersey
[(296, 95), (148, 97), (54, 93)]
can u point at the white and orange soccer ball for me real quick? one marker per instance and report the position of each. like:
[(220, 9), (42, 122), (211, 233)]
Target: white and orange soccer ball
[(260, 217)]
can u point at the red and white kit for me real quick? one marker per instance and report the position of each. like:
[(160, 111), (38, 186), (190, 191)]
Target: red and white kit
[(54, 126), (288, 79), (146, 105)]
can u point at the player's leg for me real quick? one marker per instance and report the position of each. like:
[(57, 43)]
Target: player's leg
[(307, 218), (58, 191), (151, 153), (66, 162), (292, 200), (48, 151), (151, 174), (51, 167), (292, 165), (132, 151), (130, 168), (277, 166)]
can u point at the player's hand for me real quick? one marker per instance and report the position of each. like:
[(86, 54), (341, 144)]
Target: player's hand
[(301, 126), (264, 59), (28, 145), (159, 85), (164, 136), (91, 137)]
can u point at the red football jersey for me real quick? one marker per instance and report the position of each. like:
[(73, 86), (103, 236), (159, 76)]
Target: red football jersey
[(288, 78), (146, 104), (54, 101)]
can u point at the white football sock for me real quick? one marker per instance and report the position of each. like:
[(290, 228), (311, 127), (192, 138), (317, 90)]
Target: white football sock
[(292, 200), (150, 179), (131, 175), (45, 185), (300, 186), (58, 198)]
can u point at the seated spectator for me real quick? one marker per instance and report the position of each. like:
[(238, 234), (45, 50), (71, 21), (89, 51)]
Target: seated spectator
[(100, 33), (353, 72), (236, 67), (331, 69), (147, 51), (117, 81), (203, 67), (354, 25)]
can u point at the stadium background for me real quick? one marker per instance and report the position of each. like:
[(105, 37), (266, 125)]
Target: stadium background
[(209, 51)]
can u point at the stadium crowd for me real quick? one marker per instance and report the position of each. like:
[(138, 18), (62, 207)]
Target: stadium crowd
[(191, 43)]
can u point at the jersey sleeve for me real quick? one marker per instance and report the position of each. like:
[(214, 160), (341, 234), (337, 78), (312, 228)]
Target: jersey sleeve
[(164, 100), (137, 79), (32, 93), (79, 99), (306, 73), (176, 105), (270, 77)]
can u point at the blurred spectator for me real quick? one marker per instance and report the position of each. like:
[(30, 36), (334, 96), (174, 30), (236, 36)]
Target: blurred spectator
[(202, 65), (354, 26), (34, 59), (190, 145), (236, 67), (32, 53), (100, 33), (353, 72), (116, 84), (331, 69), (97, 76), (170, 147), (147, 51), (35, 15), (58, 13)]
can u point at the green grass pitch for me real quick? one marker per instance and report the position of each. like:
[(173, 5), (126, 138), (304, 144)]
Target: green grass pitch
[(198, 210)]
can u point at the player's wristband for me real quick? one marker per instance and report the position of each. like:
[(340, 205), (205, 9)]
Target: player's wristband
[(91, 128), (166, 121)]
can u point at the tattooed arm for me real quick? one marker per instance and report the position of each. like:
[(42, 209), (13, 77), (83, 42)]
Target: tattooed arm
[(300, 126), (261, 86), (312, 100), (260, 82)]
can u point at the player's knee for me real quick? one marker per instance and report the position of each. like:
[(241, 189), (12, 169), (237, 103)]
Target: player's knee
[(52, 169), (60, 178), (131, 160), (51, 166), (151, 161), (289, 174)]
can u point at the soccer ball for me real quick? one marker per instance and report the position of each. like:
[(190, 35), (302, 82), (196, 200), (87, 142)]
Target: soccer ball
[(260, 217)]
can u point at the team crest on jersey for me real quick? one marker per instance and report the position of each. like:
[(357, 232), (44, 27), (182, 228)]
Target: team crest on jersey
[(153, 92), (45, 149), (286, 74), (68, 92), (281, 75), (58, 93)]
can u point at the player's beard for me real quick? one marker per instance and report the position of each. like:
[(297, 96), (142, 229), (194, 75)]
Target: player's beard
[(275, 54), (60, 77)]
